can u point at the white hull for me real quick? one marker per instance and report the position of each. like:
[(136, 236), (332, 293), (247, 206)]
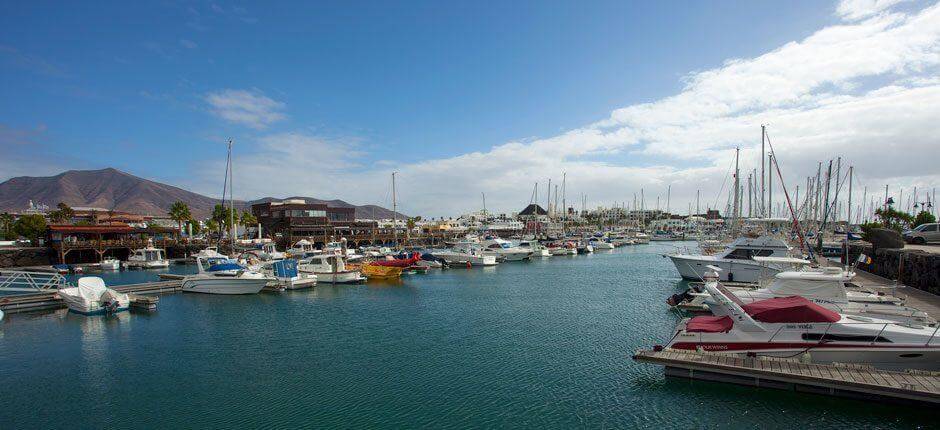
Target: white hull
[(223, 285), (509, 255), (693, 267), (602, 245), (147, 264), (349, 277), (461, 258)]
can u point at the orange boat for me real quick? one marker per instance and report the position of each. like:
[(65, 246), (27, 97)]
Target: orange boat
[(375, 271)]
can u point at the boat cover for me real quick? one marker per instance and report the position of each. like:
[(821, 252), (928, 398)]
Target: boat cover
[(285, 268), (793, 309), (705, 324)]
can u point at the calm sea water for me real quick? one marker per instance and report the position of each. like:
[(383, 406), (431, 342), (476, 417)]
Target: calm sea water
[(542, 344)]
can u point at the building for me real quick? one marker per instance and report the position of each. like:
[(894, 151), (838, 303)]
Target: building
[(288, 221)]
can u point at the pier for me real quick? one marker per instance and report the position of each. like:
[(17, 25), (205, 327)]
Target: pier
[(842, 380), (47, 300)]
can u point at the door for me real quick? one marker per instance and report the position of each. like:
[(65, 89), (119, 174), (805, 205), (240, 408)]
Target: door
[(931, 233)]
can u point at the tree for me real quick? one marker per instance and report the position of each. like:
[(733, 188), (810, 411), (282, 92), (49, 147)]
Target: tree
[(211, 226), (923, 217), (6, 226), (248, 218), (179, 212), (223, 217), (894, 219), (62, 214), (194, 225), (31, 227)]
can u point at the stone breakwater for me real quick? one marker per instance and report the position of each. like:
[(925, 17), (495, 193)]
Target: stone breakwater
[(20, 257), (914, 268)]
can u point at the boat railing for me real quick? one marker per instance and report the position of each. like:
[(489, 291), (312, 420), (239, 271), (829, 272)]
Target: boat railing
[(934, 339), (31, 282)]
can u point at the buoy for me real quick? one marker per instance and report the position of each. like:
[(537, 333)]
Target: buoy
[(468, 264)]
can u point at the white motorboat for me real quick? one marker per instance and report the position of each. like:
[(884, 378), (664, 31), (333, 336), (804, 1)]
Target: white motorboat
[(110, 264), (302, 249), (795, 326), (467, 252), (92, 297), (641, 238), (662, 236), (222, 282), (330, 269), (504, 250), (827, 288), (376, 251), (287, 276), (207, 252), (147, 258), (269, 252), (538, 250), (601, 245), (736, 261)]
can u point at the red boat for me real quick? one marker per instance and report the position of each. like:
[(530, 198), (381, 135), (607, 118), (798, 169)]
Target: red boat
[(403, 262)]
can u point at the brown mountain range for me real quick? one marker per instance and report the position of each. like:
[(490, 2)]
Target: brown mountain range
[(113, 189)]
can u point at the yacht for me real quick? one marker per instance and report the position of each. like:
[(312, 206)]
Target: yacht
[(504, 250), (641, 238), (662, 236), (538, 250), (467, 252), (795, 326), (110, 264), (621, 240), (825, 287), (207, 252), (302, 249), (599, 244), (331, 269), (147, 258), (735, 261), (243, 281), (92, 297), (269, 252)]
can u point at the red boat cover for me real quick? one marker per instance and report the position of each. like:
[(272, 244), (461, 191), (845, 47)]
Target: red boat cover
[(399, 262), (709, 325), (793, 309)]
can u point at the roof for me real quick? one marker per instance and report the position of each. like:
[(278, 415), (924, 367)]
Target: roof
[(533, 209), (91, 229), (793, 309)]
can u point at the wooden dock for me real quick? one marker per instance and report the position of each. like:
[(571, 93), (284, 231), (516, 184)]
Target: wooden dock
[(843, 380), (46, 301)]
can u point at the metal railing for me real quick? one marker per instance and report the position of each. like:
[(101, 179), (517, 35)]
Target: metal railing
[(31, 282)]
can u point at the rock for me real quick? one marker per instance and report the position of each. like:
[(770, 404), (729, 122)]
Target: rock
[(885, 238)]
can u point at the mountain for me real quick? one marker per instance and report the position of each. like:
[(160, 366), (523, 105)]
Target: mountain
[(113, 189)]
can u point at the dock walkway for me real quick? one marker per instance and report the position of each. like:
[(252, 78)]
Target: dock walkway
[(44, 301), (843, 380)]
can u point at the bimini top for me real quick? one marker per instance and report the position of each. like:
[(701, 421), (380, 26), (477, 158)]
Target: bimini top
[(793, 309), (705, 324)]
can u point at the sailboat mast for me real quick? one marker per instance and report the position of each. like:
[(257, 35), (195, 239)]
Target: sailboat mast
[(737, 186), (394, 212), (231, 193), (848, 215), (763, 212)]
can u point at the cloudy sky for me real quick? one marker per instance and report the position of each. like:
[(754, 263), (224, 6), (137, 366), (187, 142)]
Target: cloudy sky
[(327, 99)]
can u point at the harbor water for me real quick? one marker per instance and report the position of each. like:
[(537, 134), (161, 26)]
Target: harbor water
[(539, 344)]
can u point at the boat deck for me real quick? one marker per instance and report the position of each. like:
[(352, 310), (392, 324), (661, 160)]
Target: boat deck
[(842, 380)]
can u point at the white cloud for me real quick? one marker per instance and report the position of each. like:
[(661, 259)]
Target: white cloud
[(865, 90), (852, 10), (247, 107), (189, 44)]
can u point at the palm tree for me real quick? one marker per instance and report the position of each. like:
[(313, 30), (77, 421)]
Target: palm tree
[(248, 219), (6, 226), (179, 212)]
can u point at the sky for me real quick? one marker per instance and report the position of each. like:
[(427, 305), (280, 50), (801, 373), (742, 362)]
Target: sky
[(466, 99)]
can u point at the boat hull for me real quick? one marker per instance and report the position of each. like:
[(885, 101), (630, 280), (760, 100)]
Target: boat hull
[(345, 277), (694, 267)]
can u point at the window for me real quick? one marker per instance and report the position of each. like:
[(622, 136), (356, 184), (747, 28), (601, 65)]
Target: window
[(763, 253), (931, 227), (832, 337), (739, 254)]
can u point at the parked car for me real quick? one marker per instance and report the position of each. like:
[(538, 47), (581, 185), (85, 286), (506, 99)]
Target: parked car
[(924, 233)]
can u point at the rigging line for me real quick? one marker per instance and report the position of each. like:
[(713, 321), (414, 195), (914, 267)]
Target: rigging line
[(723, 182), (796, 221)]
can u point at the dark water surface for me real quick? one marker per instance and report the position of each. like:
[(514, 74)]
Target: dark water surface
[(542, 344)]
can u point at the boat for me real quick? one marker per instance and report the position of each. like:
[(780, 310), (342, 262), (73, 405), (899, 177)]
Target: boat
[(92, 297), (662, 236), (504, 250), (538, 250), (735, 261), (147, 258), (601, 245), (223, 282), (330, 269), (221, 265), (825, 287), (269, 252), (207, 252), (641, 238), (796, 327), (621, 240), (302, 249), (375, 271), (286, 275), (110, 264), (466, 252), (584, 247)]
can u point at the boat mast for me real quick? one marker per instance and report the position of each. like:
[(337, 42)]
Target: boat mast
[(394, 213), (231, 194), (737, 173), (763, 211), (848, 214)]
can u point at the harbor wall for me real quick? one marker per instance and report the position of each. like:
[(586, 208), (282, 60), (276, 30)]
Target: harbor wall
[(21, 257), (914, 268)]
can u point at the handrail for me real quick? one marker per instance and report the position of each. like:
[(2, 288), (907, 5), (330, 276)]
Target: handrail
[(23, 281), (932, 335)]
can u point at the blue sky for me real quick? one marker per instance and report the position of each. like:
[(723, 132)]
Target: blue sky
[(150, 88)]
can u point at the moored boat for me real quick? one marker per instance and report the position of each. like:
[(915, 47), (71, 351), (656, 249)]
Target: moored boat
[(92, 297)]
